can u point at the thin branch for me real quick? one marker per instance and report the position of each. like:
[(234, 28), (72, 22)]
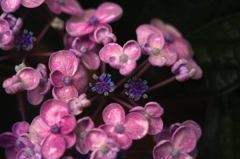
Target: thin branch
[(161, 84), (21, 106), (99, 108), (120, 101)]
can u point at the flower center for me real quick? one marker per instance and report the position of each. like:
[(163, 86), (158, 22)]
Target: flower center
[(104, 149), (146, 115), (61, 2), (30, 153), (119, 129), (169, 38), (83, 49), (55, 129), (155, 51), (82, 134), (175, 153), (123, 58), (93, 20), (67, 80)]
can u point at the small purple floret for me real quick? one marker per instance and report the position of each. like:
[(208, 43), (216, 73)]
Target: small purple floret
[(169, 38), (93, 20), (67, 80), (24, 40), (119, 129), (55, 129), (175, 153)]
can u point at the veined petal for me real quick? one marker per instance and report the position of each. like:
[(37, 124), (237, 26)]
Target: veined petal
[(67, 124), (79, 28), (113, 114), (7, 38), (169, 54), (70, 139), (32, 3), (156, 40), (10, 5), (196, 128), (153, 109), (155, 125), (80, 79), (128, 67), (7, 139), (157, 60), (163, 148), (132, 50), (19, 128), (65, 93), (30, 78), (56, 78), (108, 12), (109, 50), (91, 60)]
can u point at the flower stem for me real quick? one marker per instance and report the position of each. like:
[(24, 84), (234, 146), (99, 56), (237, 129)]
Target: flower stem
[(95, 97), (137, 151), (120, 101), (41, 54), (26, 13), (103, 67), (160, 84), (132, 102), (143, 70), (21, 106), (99, 108), (10, 57)]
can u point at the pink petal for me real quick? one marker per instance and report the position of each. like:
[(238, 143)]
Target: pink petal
[(136, 125), (155, 125), (32, 3), (68, 39), (72, 7), (80, 146), (173, 128), (7, 139), (52, 111), (169, 54), (193, 65), (53, 146), (163, 148), (143, 31), (109, 50), (128, 67), (132, 50), (70, 139), (30, 78), (124, 140), (156, 41), (157, 60), (91, 60), (153, 109), (67, 124), (54, 6), (108, 12), (11, 152), (79, 29), (163, 135), (99, 155), (38, 130), (56, 78), (137, 109), (7, 38), (10, 5), (74, 109), (184, 156), (64, 61), (114, 62), (20, 128), (84, 123), (65, 93), (95, 138), (193, 125), (165, 28), (80, 80), (113, 114), (184, 139)]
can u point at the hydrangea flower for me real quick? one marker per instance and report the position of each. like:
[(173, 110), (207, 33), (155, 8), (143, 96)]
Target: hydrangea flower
[(186, 69), (76, 105), (6, 36), (26, 79), (53, 129), (123, 129), (71, 7), (152, 111), (101, 146), (104, 84), (174, 39), (15, 24), (92, 19), (83, 126), (36, 95), (67, 76), (81, 47), (136, 88), (24, 40), (122, 58), (8, 139), (13, 5), (182, 142)]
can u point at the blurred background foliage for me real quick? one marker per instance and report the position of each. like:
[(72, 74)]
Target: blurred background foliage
[(213, 29)]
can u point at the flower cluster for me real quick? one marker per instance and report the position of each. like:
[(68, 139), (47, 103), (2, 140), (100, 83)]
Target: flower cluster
[(90, 44)]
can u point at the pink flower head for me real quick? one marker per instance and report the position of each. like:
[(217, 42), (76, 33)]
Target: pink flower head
[(103, 35), (26, 79), (83, 126), (15, 24), (71, 7), (152, 111), (67, 76), (36, 95), (123, 129), (183, 141), (92, 19), (81, 47), (6, 35), (122, 58), (76, 105), (13, 5), (53, 129), (101, 146), (174, 39), (186, 69), (8, 139)]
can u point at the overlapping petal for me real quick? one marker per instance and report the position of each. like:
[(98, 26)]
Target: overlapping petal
[(113, 114), (110, 50)]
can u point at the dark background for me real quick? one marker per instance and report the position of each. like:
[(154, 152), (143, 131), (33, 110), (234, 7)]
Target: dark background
[(211, 26)]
